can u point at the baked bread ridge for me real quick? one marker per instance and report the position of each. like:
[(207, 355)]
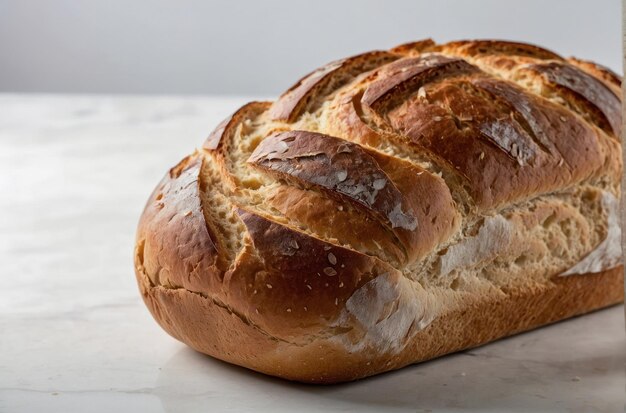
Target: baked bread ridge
[(389, 208)]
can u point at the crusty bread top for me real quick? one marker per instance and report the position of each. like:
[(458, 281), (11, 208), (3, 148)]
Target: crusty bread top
[(428, 170)]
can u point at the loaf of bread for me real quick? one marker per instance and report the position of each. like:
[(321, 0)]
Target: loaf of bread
[(390, 208)]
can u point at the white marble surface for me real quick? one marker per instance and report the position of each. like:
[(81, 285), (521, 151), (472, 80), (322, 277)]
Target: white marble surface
[(75, 336)]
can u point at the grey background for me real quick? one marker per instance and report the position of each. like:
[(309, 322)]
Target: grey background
[(261, 47)]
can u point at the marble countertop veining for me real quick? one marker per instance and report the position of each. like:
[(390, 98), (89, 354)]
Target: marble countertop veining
[(75, 172)]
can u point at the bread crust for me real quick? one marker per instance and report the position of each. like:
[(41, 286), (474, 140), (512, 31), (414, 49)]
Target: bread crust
[(390, 208), (212, 328)]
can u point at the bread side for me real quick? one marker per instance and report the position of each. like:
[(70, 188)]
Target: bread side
[(390, 208)]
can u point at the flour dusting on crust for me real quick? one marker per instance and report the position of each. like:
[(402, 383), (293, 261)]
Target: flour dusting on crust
[(389, 310), (608, 254), (494, 236)]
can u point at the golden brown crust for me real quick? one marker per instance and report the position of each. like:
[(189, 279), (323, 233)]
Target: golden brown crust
[(497, 47), (345, 225), (609, 77), (390, 208), (501, 140), (385, 188), (303, 278), (411, 48), (213, 329), (226, 128), (181, 247), (408, 75), (297, 98), (589, 93)]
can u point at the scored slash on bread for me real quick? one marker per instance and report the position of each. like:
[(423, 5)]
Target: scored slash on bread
[(382, 187), (312, 88), (390, 208), (583, 91)]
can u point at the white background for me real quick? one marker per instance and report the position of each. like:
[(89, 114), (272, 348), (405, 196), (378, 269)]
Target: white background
[(261, 47)]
